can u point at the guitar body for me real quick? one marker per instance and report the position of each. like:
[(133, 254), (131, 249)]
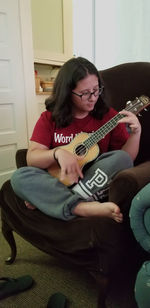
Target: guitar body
[(77, 147)]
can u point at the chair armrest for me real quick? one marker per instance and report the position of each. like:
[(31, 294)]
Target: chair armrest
[(21, 158), (128, 182)]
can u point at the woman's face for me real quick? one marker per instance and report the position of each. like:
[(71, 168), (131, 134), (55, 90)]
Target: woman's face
[(83, 105)]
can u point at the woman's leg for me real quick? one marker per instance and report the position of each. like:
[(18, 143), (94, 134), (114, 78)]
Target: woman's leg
[(97, 178), (53, 198), (39, 188)]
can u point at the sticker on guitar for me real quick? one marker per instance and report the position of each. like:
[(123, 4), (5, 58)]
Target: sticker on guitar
[(85, 144)]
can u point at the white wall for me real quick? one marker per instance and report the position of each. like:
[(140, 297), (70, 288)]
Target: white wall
[(83, 28), (110, 32)]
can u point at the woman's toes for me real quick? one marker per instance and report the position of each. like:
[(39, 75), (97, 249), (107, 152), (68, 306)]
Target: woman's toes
[(118, 218), (29, 205)]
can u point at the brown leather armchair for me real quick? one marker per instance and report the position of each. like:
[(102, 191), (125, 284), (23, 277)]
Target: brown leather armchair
[(100, 245)]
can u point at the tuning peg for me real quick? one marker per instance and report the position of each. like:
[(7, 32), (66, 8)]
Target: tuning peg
[(139, 115), (145, 109)]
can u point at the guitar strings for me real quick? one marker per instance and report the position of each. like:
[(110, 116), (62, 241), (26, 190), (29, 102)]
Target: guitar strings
[(94, 137)]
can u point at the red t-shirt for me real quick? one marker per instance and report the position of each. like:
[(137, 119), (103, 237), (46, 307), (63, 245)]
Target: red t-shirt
[(46, 133)]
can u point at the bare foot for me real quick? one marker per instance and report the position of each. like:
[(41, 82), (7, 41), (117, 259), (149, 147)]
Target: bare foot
[(105, 209), (110, 209), (29, 205)]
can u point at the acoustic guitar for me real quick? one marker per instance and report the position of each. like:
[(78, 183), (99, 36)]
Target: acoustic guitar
[(85, 144)]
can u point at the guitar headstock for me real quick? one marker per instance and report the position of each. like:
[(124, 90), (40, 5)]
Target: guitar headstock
[(138, 104)]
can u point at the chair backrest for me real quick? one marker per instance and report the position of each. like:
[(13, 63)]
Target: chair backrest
[(125, 82)]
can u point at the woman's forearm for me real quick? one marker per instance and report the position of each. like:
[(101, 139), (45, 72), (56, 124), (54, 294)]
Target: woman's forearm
[(132, 145), (41, 158)]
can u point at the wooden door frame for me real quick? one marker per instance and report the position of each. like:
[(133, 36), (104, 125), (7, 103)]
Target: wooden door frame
[(28, 64)]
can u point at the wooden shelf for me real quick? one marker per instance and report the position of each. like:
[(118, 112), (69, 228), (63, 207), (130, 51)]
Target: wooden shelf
[(43, 93)]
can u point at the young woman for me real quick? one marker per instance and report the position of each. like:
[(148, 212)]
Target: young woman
[(74, 112)]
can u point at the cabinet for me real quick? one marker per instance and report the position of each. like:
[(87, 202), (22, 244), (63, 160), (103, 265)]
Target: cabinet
[(52, 31), (45, 73)]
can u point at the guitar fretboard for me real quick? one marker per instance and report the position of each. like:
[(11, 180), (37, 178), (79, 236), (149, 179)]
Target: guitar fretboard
[(134, 106), (102, 131)]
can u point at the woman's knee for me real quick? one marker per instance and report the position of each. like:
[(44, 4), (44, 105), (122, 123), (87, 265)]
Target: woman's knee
[(16, 178), (124, 159), (21, 176), (119, 158)]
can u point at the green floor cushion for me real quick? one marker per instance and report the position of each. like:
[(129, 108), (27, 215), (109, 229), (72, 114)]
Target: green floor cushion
[(142, 286), (140, 217)]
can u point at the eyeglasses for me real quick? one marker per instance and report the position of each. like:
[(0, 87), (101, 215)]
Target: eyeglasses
[(87, 95)]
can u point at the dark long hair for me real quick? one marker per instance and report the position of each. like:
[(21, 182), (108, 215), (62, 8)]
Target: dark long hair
[(60, 103)]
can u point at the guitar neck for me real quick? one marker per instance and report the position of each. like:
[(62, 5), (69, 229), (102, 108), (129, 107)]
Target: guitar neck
[(102, 131)]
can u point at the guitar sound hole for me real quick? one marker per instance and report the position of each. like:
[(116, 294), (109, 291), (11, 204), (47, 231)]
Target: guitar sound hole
[(80, 150)]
